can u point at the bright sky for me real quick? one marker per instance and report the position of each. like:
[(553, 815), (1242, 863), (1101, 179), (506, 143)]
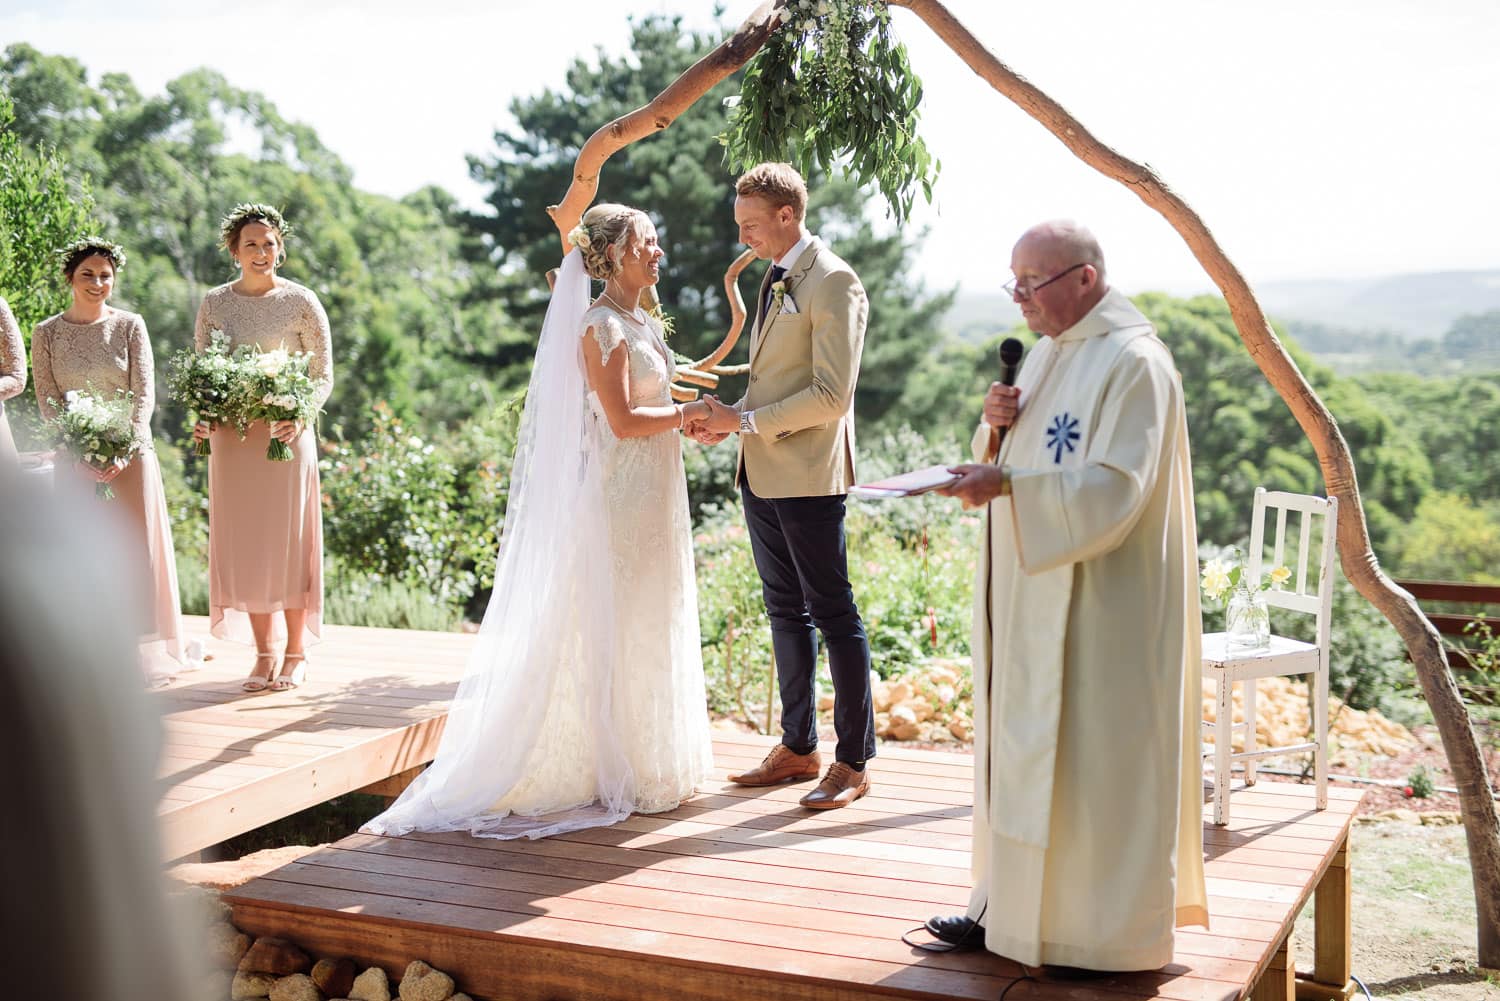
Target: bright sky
[(1317, 138)]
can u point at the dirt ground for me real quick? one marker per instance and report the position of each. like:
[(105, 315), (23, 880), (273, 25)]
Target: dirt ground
[(1413, 906)]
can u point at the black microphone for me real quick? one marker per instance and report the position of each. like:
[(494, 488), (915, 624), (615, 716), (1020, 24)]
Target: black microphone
[(1010, 360)]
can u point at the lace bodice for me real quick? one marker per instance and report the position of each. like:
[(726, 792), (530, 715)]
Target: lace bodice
[(108, 355), (12, 356), (288, 316), (651, 368)]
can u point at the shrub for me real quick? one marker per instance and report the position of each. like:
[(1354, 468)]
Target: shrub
[(354, 599), (736, 634), (399, 508)]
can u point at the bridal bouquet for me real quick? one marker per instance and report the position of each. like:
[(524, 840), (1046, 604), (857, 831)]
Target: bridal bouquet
[(280, 387), (96, 431), (211, 383)]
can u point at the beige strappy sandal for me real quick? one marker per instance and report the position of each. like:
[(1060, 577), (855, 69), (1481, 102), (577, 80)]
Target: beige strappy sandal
[(294, 678), (257, 683)]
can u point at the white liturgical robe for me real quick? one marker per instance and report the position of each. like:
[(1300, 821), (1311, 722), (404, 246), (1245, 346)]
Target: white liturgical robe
[(1088, 833)]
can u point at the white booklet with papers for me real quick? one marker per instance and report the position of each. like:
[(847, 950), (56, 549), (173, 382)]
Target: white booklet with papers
[(919, 481)]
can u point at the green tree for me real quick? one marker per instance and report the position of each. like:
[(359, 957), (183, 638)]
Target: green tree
[(680, 178), (394, 276), (41, 209), (1452, 538), (1454, 421), (1243, 435)]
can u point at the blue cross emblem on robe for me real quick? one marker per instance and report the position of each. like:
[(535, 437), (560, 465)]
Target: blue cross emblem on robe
[(1062, 435)]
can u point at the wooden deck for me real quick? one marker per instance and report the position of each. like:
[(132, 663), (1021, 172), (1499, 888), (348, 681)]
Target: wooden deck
[(373, 707), (741, 895)]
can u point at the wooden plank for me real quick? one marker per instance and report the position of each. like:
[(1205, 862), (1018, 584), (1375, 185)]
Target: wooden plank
[(678, 965), (1278, 982), (584, 939), (1447, 590), (1458, 625), (882, 898), (790, 850), (1333, 944), (718, 782), (519, 897), (189, 827), (735, 871), (865, 812)]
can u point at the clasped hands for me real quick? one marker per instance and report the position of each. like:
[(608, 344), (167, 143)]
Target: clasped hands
[(709, 420), (979, 483), (282, 431)]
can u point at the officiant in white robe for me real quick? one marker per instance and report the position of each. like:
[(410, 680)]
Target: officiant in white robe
[(1087, 815)]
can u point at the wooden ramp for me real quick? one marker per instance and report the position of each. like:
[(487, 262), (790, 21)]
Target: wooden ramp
[(373, 707), (742, 895)]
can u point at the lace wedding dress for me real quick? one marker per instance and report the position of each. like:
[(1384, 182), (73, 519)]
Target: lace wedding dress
[(583, 700)]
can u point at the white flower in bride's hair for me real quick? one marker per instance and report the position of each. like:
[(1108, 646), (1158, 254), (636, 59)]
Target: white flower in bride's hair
[(785, 15), (578, 236)]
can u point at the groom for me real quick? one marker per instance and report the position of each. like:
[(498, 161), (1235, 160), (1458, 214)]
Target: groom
[(796, 463)]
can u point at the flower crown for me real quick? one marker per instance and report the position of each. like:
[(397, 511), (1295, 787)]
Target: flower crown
[(578, 236), (76, 251), (247, 212)]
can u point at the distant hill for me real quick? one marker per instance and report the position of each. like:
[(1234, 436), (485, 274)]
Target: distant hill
[(1410, 306)]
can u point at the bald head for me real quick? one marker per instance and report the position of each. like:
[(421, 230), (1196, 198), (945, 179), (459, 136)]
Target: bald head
[(1059, 269), (1065, 243)]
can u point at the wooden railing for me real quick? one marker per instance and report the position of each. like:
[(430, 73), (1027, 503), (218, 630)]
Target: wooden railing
[(1453, 624)]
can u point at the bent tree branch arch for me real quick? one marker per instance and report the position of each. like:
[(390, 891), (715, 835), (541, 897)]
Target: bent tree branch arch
[(1423, 643)]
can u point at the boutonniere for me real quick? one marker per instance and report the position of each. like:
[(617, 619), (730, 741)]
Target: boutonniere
[(783, 299)]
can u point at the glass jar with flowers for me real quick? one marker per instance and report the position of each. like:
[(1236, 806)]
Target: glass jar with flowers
[(1247, 619)]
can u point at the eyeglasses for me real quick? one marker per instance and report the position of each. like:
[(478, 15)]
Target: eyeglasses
[(1018, 289)]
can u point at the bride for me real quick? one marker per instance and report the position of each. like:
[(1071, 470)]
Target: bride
[(583, 700)]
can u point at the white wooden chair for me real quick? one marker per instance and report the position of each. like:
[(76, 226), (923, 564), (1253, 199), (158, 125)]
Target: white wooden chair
[(1285, 656)]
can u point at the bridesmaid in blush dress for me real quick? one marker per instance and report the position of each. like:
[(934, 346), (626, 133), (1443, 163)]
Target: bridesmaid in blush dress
[(265, 525), (92, 346), (12, 375)]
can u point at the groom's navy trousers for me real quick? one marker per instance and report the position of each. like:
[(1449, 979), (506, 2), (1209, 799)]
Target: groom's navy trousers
[(799, 550)]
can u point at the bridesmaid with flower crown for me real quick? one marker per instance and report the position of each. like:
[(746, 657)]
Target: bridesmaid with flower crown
[(265, 523), (94, 347)]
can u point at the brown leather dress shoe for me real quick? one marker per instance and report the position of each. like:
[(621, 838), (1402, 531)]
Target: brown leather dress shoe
[(840, 787), (781, 765)]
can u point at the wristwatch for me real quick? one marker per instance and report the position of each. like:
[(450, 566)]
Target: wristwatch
[(747, 422)]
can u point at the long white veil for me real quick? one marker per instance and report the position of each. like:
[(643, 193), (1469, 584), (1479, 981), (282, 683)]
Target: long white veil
[(549, 622)]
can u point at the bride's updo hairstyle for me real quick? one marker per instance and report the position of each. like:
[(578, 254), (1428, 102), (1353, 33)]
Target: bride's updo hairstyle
[(603, 227)]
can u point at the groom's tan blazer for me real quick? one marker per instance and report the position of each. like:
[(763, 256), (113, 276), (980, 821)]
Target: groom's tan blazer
[(803, 368)]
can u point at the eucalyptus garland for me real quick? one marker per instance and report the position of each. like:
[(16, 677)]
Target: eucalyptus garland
[(75, 252), (832, 88), (247, 212)]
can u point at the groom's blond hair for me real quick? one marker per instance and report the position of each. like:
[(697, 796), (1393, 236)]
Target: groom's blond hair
[(777, 183)]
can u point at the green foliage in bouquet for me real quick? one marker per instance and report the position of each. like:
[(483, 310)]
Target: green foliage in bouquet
[(279, 387), (832, 88), (211, 382), (96, 430)]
